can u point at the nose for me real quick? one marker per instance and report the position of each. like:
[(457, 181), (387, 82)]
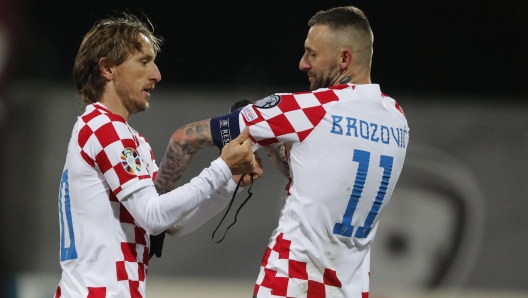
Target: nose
[(303, 64), (156, 74)]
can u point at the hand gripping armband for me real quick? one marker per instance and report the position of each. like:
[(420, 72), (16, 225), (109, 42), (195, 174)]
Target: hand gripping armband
[(225, 128)]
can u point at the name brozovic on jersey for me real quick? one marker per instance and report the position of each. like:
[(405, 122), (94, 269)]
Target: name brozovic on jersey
[(348, 145)]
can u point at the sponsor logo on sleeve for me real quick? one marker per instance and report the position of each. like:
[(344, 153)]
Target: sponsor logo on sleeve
[(268, 102), (248, 113), (130, 161)]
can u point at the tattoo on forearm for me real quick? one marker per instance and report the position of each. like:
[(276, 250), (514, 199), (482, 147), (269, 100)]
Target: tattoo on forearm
[(182, 147), (175, 162)]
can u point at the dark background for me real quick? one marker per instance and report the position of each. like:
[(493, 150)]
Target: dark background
[(469, 54), (426, 47)]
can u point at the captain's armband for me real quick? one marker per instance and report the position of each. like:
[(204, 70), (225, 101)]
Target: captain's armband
[(225, 128)]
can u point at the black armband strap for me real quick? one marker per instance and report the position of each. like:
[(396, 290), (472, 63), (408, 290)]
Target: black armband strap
[(225, 128)]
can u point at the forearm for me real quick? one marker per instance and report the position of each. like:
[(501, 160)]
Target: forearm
[(278, 154), (204, 212), (155, 213), (183, 145)]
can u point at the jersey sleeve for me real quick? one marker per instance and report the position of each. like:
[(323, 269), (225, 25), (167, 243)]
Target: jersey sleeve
[(196, 200), (281, 117), (205, 211), (107, 143), (151, 161)]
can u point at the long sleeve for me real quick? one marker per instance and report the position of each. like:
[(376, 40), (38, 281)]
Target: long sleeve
[(205, 211), (155, 213)]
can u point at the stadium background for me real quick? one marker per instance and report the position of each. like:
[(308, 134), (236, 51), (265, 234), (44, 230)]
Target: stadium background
[(457, 224)]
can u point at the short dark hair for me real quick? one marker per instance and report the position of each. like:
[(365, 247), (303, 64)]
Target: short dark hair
[(351, 21), (341, 18), (114, 38)]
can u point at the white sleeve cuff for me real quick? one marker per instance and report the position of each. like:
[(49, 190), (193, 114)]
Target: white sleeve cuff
[(222, 166)]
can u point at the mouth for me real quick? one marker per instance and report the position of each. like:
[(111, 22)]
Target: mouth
[(148, 89)]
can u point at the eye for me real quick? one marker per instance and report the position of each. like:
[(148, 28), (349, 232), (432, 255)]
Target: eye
[(144, 62)]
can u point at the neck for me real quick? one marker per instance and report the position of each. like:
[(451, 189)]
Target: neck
[(353, 76), (361, 80), (113, 103)]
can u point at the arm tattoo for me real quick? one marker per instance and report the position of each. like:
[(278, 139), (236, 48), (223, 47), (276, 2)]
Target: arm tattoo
[(182, 147), (278, 153)]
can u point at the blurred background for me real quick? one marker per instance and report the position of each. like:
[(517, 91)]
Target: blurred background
[(456, 224)]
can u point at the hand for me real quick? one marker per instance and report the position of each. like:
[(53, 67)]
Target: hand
[(257, 173), (238, 154)]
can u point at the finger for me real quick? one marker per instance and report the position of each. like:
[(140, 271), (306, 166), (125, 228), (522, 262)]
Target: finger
[(258, 159), (243, 135), (236, 178), (257, 173), (247, 144), (247, 180)]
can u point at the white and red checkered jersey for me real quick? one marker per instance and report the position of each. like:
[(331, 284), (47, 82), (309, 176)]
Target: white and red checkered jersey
[(103, 253), (106, 190), (348, 148)]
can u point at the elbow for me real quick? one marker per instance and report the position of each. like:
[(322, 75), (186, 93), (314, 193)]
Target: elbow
[(154, 229), (184, 137), (154, 222), (179, 136), (157, 223), (194, 136)]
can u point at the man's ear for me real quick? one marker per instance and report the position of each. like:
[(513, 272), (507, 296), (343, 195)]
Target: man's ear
[(345, 59), (105, 69)]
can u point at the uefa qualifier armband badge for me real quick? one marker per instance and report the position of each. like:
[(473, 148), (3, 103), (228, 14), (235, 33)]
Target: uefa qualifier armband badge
[(130, 161)]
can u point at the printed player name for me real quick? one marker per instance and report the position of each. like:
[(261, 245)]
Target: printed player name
[(369, 131)]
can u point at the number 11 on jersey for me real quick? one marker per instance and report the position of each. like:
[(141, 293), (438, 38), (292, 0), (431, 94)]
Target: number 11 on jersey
[(345, 227)]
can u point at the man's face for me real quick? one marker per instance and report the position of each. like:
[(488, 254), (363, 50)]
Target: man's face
[(321, 57), (136, 77)]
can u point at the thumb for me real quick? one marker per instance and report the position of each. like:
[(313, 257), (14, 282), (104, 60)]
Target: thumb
[(243, 135)]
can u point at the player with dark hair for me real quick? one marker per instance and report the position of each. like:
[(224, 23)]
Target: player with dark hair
[(108, 204), (342, 146)]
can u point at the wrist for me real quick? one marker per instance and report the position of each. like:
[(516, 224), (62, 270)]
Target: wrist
[(223, 167)]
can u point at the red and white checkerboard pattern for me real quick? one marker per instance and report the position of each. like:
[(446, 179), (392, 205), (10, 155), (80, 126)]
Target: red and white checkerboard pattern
[(293, 119), (99, 138), (296, 279), (134, 264), (102, 138), (305, 259), (132, 269)]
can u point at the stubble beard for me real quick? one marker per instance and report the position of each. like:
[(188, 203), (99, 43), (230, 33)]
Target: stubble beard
[(324, 82), (325, 79), (131, 104), (135, 106)]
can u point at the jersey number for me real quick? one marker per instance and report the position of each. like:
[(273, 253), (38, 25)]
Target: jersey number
[(345, 227), (66, 253)]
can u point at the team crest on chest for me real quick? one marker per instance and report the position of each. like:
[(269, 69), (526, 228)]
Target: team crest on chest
[(130, 161), (268, 102)]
